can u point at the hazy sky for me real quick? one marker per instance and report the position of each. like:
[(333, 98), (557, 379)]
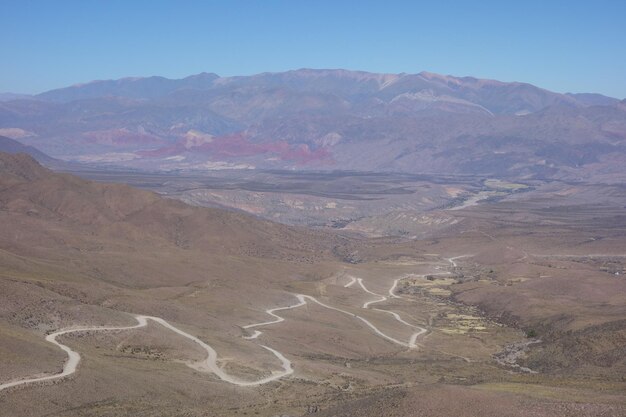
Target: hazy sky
[(560, 45)]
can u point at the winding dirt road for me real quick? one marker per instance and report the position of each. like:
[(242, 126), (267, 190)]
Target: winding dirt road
[(73, 357), (208, 365), (412, 343), (302, 300)]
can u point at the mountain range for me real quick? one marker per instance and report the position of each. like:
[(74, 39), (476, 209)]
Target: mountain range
[(328, 120)]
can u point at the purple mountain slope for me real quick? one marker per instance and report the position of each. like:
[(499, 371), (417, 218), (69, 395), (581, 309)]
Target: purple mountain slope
[(328, 119)]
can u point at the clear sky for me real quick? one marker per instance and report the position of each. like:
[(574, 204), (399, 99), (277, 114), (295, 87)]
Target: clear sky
[(577, 46)]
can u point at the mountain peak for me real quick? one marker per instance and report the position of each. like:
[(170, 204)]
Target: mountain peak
[(202, 75)]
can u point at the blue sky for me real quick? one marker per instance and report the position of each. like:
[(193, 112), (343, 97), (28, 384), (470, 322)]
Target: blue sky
[(577, 46)]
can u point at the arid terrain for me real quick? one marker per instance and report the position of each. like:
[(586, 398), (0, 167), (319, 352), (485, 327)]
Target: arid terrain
[(322, 208), (514, 307)]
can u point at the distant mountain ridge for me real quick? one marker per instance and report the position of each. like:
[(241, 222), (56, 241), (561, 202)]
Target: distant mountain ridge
[(341, 82), (13, 96), (131, 87), (327, 119)]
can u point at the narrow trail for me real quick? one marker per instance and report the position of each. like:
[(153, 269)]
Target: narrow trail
[(392, 290), (278, 319), (411, 344), (303, 301), (453, 259), (209, 365), (375, 329), (413, 339), (352, 281)]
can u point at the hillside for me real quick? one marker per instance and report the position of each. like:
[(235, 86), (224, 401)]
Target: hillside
[(119, 211), (12, 146), (243, 314)]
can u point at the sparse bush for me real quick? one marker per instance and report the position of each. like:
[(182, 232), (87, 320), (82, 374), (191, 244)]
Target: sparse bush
[(532, 333)]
